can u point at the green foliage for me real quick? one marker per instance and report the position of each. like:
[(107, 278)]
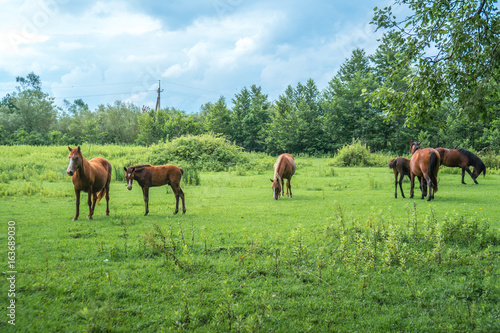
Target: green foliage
[(206, 152), (455, 59), (358, 154)]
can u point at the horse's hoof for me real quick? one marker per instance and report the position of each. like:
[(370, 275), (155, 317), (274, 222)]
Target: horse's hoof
[(74, 219)]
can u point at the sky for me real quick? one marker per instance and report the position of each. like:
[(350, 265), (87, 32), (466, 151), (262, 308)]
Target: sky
[(198, 50)]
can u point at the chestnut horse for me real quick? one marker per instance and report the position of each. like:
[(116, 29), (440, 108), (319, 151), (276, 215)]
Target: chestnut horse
[(148, 176), (92, 177), (284, 168), (400, 166), (462, 158), (424, 163)]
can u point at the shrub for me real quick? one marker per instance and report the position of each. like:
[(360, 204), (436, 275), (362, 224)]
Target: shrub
[(205, 152), (358, 154)]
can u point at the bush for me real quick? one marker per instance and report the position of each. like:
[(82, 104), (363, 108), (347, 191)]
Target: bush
[(205, 152), (358, 154)]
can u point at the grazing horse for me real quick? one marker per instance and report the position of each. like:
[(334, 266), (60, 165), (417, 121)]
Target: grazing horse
[(462, 158), (148, 176), (401, 166), (92, 177), (284, 168), (424, 163)]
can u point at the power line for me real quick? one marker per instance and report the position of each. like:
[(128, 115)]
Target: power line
[(96, 95)]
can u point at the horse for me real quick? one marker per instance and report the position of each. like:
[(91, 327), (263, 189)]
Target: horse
[(148, 176), (400, 166), (462, 158), (284, 168), (92, 177), (424, 163)]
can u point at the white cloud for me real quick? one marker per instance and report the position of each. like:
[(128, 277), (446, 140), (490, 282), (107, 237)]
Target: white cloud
[(85, 49)]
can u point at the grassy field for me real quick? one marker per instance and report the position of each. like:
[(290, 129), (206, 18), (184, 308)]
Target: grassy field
[(342, 255)]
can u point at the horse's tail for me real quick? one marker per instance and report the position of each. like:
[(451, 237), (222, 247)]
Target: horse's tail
[(105, 189), (392, 163), (433, 170)]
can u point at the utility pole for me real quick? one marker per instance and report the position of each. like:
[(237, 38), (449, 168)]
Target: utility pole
[(158, 98)]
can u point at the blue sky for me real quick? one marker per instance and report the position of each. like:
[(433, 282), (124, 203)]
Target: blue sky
[(102, 51)]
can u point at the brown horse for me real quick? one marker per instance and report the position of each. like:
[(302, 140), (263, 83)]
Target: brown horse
[(462, 158), (424, 163), (284, 168), (400, 166), (148, 176), (92, 177)]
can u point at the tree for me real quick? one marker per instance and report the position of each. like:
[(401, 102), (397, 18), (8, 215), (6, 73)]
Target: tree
[(249, 114), (295, 123), (217, 120), (453, 46), (348, 114), (29, 109)]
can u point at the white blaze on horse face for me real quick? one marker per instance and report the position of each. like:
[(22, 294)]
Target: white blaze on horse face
[(129, 185), (71, 167)]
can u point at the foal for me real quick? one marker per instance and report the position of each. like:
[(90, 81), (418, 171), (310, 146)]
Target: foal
[(148, 176), (401, 166)]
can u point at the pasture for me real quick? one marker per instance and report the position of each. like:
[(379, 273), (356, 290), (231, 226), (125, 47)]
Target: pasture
[(342, 255)]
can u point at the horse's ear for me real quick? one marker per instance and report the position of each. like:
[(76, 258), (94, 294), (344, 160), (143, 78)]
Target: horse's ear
[(79, 150), (411, 142), (70, 148), (124, 168), (132, 170), (271, 180), (418, 143)]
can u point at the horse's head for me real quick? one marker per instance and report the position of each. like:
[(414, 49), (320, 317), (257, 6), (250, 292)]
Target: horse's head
[(276, 188), (129, 175), (414, 146), (75, 160), (478, 169)]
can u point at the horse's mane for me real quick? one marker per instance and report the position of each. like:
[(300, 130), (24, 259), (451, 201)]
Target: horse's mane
[(473, 159), (277, 166), (141, 167)]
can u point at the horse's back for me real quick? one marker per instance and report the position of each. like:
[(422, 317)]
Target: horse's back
[(287, 165), (421, 159), (164, 174)]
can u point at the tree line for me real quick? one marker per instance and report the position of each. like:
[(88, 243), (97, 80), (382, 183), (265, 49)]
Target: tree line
[(303, 119)]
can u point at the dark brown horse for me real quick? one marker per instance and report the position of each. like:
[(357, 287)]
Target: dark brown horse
[(400, 166), (284, 168), (92, 177), (424, 163), (462, 158), (148, 176)]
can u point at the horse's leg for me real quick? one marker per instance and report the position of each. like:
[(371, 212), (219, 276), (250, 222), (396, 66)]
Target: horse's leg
[(145, 195), (288, 187), (470, 174), (107, 199), (463, 175), (412, 184), (423, 189), (400, 186), (77, 193), (429, 185), (181, 194), (396, 185), (283, 187), (176, 190), (91, 204)]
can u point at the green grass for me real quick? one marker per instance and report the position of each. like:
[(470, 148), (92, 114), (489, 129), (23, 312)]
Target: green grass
[(342, 255)]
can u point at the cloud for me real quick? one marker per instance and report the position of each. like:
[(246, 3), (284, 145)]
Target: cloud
[(200, 50)]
